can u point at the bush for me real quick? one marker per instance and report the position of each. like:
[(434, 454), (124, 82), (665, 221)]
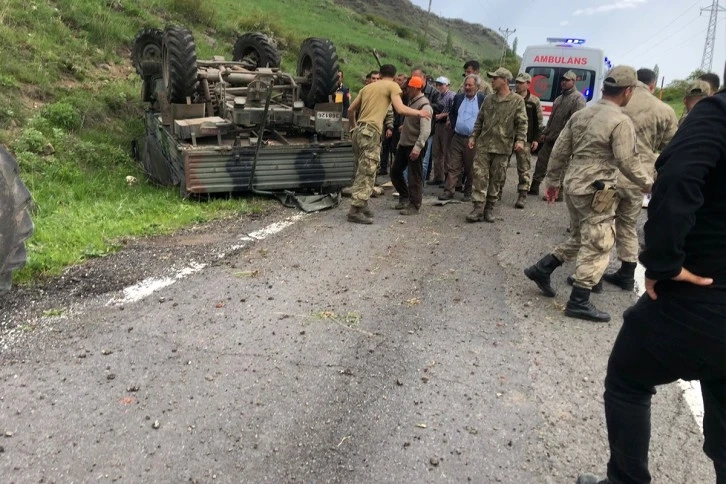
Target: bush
[(196, 11), (62, 115), (31, 140)]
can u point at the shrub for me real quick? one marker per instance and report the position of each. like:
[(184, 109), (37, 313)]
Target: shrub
[(31, 140), (62, 115), (196, 11)]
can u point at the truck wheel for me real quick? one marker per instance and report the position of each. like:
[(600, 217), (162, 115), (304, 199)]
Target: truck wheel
[(179, 64), (318, 63), (146, 48), (256, 50), (15, 223)]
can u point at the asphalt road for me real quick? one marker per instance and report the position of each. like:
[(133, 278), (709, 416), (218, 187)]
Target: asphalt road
[(408, 351)]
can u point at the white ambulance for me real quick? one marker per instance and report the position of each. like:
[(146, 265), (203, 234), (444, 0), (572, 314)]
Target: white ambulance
[(546, 64)]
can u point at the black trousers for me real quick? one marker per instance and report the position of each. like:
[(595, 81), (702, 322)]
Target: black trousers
[(413, 190), (661, 341)]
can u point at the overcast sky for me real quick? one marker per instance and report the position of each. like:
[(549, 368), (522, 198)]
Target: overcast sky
[(640, 33)]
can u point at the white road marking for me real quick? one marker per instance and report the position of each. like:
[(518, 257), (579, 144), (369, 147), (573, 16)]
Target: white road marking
[(150, 285), (691, 389)]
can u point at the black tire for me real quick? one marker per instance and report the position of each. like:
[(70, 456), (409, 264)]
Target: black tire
[(318, 63), (15, 223), (146, 48), (179, 64), (256, 50)]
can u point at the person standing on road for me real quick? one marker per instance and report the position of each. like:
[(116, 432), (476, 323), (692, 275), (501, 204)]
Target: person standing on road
[(534, 128), (462, 117), (566, 104), (411, 150), (372, 102), (443, 133), (595, 142), (655, 124), (472, 67), (500, 124), (678, 328)]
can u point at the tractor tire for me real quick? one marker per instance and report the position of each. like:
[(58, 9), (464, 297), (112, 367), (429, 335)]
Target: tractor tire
[(146, 48), (15, 223), (318, 63), (179, 64), (256, 50)]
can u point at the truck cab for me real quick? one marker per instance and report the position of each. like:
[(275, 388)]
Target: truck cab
[(547, 63)]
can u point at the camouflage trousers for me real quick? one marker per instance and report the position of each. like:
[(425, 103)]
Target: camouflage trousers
[(543, 159), (489, 170), (592, 235), (627, 210), (524, 163), (367, 152)]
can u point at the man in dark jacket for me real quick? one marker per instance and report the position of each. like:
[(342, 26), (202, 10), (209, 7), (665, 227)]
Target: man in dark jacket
[(461, 158), (678, 328)]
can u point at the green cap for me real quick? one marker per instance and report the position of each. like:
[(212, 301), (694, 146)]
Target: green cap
[(501, 72)]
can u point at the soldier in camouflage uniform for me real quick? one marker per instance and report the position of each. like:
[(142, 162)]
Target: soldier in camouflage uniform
[(695, 91), (472, 67), (366, 114), (500, 124), (534, 128), (655, 124), (598, 141), (566, 104)]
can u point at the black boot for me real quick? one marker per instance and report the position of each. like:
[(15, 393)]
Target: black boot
[(591, 479), (596, 289), (489, 212), (540, 273), (534, 188), (579, 306), (624, 277)]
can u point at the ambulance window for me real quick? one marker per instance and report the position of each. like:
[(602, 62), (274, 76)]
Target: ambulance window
[(546, 82)]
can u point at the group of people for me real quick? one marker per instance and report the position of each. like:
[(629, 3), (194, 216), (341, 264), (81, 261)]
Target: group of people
[(602, 158)]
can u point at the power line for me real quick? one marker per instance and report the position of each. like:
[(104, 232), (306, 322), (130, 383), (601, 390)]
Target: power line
[(672, 35), (707, 61), (680, 43), (662, 29)]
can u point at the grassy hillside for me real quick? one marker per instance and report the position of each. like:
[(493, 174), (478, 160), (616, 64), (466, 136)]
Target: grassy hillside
[(70, 100)]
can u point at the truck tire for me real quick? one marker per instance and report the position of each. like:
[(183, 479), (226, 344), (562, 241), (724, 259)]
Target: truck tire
[(318, 63), (179, 64), (146, 48), (256, 50), (15, 223)]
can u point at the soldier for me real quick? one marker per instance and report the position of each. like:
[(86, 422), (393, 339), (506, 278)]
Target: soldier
[(501, 122), (372, 102), (655, 124), (598, 141), (472, 67), (566, 104), (534, 128), (695, 91)]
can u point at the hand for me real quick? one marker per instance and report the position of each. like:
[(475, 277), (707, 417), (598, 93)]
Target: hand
[(389, 133), (518, 146), (685, 275), (423, 113), (471, 144), (414, 154), (551, 194), (534, 146)]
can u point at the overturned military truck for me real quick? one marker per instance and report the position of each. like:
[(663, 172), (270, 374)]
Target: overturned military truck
[(15, 223), (218, 126)]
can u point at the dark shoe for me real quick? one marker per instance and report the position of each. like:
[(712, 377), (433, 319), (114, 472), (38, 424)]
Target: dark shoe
[(477, 214), (447, 195), (401, 205), (521, 199), (410, 210), (580, 307), (467, 197), (357, 216), (460, 188), (624, 277), (436, 183), (367, 211), (591, 479), (540, 273), (489, 212), (596, 289), (534, 188)]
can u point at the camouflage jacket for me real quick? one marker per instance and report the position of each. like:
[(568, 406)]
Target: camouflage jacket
[(595, 143), (655, 124), (500, 123), (565, 105)]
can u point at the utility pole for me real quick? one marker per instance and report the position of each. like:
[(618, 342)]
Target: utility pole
[(427, 16), (707, 61), (506, 33)]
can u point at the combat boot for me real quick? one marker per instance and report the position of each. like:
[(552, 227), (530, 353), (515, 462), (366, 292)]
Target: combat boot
[(540, 273), (596, 289), (579, 306), (357, 215), (477, 214), (447, 195), (367, 211), (591, 479), (410, 210), (624, 277), (489, 212), (534, 188), (401, 205), (521, 199)]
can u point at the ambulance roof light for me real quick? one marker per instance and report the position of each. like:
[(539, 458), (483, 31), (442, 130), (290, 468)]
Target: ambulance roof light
[(565, 40)]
